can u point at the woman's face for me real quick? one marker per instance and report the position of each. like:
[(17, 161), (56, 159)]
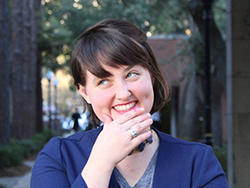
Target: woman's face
[(127, 88)]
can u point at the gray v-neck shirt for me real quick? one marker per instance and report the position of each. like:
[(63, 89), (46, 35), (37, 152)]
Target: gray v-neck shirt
[(145, 181)]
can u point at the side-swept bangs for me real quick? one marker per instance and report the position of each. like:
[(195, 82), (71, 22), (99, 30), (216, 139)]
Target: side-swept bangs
[(116, 43), (108, 47)]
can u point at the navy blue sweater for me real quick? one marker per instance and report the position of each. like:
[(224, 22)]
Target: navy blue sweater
[(180, 164)]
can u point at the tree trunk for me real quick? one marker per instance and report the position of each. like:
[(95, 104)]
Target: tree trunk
[(5, 127), (190, 127), (218, 75), (39, 106), (24, 68)]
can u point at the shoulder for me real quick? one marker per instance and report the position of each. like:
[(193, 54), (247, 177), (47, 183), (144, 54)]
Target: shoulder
[(78, 140), (195, 162), (182, 147), (186, 152), (86, 135), (168, 139)]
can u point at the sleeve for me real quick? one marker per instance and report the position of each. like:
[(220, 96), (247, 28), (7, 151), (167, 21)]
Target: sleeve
[(209, 171), (48, 171)]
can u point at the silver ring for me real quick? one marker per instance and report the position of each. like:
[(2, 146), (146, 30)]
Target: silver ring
[(133, 133)]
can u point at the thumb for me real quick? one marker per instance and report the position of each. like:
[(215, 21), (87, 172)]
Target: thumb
[(106, 119)]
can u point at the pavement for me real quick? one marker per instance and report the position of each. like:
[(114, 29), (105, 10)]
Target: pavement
[(24, 180), (18, 181)]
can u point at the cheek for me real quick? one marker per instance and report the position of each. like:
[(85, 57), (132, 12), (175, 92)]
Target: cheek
[(100, 103), (145, 93)]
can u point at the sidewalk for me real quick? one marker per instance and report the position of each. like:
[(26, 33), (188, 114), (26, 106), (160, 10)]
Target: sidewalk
[(23, 181), (18, 181)]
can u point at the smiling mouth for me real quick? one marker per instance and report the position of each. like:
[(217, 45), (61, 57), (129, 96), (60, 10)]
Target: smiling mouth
[(125, 107)]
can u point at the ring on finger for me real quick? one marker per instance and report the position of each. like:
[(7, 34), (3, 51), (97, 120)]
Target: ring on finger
[(133, 133)]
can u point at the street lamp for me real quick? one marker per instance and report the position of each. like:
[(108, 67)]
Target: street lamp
[(207, 17), (49, 77), (55, 82)]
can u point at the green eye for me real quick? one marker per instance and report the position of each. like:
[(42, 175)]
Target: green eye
[(103, 82), (132, 74)]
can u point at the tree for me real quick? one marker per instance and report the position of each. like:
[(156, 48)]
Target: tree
[(65, 20), (39, 101), (24, 68), (192, 103), (218, 76), (4, 74)]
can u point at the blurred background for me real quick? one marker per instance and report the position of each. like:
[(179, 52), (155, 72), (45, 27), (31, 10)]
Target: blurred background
[(38, 97)]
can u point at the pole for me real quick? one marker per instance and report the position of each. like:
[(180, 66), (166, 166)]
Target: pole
[(49, 77), (207, 17), (49, 103), (56, 111)]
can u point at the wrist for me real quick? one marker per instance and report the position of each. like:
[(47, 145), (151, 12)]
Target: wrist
[(97, 173)]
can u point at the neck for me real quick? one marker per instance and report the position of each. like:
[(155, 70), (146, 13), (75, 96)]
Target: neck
[(133, 166)]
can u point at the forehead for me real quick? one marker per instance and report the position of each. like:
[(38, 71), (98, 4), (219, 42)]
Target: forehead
[(112, 70), (102, 48)]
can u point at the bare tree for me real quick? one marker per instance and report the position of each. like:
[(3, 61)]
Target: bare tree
[(218, 75)]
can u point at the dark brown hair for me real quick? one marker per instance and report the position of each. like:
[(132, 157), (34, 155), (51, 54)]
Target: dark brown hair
[(116, 43)]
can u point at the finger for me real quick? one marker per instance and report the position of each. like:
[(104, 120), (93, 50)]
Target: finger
[(129, 115), (140, 138), (136, 120), (141, 127), (106, 119)]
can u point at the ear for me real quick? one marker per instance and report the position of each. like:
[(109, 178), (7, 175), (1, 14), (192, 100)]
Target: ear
[(83, 93)]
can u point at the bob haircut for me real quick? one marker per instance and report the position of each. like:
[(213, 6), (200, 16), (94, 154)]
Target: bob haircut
[(116, 43)]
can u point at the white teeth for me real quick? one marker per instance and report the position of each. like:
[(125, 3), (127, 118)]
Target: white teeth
[(125, 107)]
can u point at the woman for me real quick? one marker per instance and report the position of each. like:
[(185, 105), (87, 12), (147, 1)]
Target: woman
[(116, 73)]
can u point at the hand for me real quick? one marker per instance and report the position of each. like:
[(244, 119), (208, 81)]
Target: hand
[(115, 141), (113, 144)]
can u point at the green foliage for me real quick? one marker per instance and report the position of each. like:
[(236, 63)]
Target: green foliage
[(10, 155), (18, 150), (40, 139), (26, 146), (64, 21), (219, 12), (194, 51), (221, 154)]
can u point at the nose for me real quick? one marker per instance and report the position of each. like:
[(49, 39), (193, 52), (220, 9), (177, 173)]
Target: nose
[(122, 90)]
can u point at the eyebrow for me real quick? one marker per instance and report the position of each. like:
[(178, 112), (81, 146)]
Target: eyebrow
[(129, 67)]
